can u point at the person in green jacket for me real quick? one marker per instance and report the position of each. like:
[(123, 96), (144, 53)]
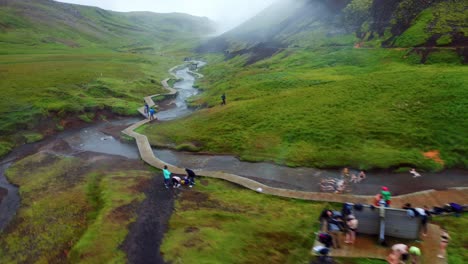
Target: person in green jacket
[(386, 196), (167, 177)]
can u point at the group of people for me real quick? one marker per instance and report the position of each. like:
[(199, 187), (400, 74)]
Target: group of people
[(150, 112), (401, 253), (340, 185), (334, 224), (176, 181), (352, 177)]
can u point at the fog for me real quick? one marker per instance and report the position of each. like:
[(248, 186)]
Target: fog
[(226, 13)]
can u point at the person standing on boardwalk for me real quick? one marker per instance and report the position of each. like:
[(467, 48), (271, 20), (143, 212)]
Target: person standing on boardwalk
[(386, 196), (190, 177), (167, 177), (151, 113), (146, 109), (424, 215), (223, 99)]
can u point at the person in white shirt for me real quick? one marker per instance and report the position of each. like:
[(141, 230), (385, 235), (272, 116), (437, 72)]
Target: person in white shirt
[(424, 214)]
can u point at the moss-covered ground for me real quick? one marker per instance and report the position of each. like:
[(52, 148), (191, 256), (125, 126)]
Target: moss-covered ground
[(72, 210), (218, 222), (328, 107)]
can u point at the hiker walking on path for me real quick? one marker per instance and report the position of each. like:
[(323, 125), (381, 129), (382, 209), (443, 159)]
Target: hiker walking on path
[(386, 196), (223, 99), (190, 177), (151, 113), (167, 177), (146, 109), (444, 240)]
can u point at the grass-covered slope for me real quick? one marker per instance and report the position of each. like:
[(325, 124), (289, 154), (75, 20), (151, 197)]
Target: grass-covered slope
[(72, 210), (369, 108), (218, 222), (26, 24), (364, 23), (411, 23), (334, 83), (59, 60)]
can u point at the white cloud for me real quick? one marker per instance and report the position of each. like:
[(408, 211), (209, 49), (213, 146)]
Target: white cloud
[(227, 13)]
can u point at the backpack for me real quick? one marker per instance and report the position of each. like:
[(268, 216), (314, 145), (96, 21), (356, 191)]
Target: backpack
[(456, 207), (346, 209), (324, 238), (358, 207)]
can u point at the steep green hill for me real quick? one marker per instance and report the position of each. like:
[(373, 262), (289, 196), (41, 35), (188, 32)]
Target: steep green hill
[(314, 89), (59, 61), (426, 25), (26, 24)]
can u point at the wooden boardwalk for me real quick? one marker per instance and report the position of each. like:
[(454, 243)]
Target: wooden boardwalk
[(368, 248)]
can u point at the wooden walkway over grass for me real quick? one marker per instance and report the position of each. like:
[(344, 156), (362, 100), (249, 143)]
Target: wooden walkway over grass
[(431, 197)]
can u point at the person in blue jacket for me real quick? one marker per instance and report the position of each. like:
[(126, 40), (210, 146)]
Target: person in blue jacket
[(167, 177)]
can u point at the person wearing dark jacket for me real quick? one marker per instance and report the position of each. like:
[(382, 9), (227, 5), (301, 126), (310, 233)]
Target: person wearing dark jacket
[(190, 177), (223, 99)]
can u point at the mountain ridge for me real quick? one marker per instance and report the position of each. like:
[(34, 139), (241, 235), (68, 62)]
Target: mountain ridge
[(50, 22), (363, 23)]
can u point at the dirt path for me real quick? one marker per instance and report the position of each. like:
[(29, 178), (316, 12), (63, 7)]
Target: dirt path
[(145, 235)]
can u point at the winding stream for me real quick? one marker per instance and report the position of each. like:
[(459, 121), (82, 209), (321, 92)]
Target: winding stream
[(93, 139)]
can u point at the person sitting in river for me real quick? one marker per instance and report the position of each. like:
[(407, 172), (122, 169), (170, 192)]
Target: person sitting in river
[(340, 186), (362, 175), (415, 173), (345, 173), (327, 185), (354, 178)]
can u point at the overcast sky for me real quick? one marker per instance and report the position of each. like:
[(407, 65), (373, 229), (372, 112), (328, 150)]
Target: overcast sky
[(227, 13)]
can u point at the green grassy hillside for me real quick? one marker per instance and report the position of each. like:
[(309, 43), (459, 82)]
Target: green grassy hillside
[(24, 25), (59, 60), (336, 83), (71, 211), (426, 25), (369, 108)]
